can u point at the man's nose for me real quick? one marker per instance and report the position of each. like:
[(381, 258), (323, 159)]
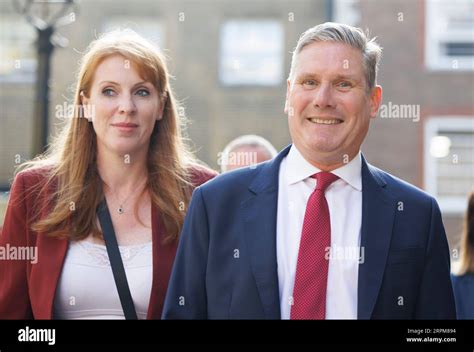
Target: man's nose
[(127, 104), (323, 96)]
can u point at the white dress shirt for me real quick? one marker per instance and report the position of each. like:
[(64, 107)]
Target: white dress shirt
[(344, 197)]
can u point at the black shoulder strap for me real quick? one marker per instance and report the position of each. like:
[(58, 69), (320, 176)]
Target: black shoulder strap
[(116, 261)]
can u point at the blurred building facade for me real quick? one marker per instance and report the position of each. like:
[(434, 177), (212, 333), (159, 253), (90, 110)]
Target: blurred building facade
[(231, 59)]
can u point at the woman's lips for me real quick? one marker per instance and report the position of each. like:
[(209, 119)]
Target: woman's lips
[(125, 126)]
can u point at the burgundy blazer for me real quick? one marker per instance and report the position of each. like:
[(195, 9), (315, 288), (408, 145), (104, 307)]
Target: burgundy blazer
[(27, 290)]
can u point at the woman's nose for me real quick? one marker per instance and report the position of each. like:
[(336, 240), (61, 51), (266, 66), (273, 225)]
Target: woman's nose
[(127, 105)]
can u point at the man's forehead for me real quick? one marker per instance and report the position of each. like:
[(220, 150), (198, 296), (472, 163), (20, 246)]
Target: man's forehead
[(330, 55), (330, 46)]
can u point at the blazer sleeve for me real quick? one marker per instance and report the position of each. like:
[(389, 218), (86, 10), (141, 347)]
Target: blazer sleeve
[(435, 297), (186, 295), (14, 297)]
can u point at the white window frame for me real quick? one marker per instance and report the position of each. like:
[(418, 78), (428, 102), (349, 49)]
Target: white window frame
[(448, 205), (347, 11), (20, 75), (231, 80), (434, 60)]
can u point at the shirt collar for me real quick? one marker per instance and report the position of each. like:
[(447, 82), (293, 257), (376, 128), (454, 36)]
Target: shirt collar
[(298, 169)]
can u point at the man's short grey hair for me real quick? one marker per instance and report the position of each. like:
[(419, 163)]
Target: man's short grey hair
[(343, 33), (249, 140)]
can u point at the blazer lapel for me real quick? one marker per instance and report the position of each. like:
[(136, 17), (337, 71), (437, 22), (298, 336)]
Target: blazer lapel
[(163, 258), (46, 272), (260, 212), (378, 212), (45, 275)]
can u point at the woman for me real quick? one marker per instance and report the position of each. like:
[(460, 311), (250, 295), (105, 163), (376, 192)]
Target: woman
[(463, 282), (123, 145)]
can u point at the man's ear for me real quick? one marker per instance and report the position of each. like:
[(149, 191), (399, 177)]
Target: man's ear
[(288, 88), (375, 101)]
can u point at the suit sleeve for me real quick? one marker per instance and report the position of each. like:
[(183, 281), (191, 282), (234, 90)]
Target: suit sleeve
[(14, 298), (186, 295), (435, 298)]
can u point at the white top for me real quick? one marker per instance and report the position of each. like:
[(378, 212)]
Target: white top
[(87, 290), (344, 197)]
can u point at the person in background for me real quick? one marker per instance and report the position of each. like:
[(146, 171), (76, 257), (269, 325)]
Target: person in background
[(122, 145), (463, 280), (247, 150)]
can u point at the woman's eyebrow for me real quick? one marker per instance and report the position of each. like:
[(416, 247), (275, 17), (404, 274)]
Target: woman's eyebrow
[(118, 84), (141, 83), (109, 82)]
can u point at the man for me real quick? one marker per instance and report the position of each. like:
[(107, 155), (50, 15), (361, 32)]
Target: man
[(247, 150), (278, 241)]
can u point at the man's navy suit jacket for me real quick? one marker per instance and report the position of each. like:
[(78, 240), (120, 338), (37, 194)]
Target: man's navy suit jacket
[(226, 263)]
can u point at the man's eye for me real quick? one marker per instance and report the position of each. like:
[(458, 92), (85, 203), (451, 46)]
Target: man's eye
[(143, 92), (309, 83), (344, 84), (108, 92)]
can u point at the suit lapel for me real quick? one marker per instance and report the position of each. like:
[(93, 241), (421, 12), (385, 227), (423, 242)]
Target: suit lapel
[(378, 213), (260, 212)]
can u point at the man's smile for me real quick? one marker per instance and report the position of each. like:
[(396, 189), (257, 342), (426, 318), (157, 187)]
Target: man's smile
[(323, 121)]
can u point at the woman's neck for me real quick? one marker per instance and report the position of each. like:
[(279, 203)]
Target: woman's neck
[(122, 172)]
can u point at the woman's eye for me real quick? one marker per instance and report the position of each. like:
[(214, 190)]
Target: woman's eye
[(108, 92), (143, 92)]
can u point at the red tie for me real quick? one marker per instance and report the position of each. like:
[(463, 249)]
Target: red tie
[(309, 292)]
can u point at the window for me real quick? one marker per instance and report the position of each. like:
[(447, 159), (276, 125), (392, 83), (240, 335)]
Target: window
[(149, 28), (449, 35), (347, 11), (17, 50), (251, 53), (449, 161)]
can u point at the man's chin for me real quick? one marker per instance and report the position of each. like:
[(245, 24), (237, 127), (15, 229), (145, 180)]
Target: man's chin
[(324, 154), (323, 148)]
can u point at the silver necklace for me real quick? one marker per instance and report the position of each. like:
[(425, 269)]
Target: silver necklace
[(121, 209)]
